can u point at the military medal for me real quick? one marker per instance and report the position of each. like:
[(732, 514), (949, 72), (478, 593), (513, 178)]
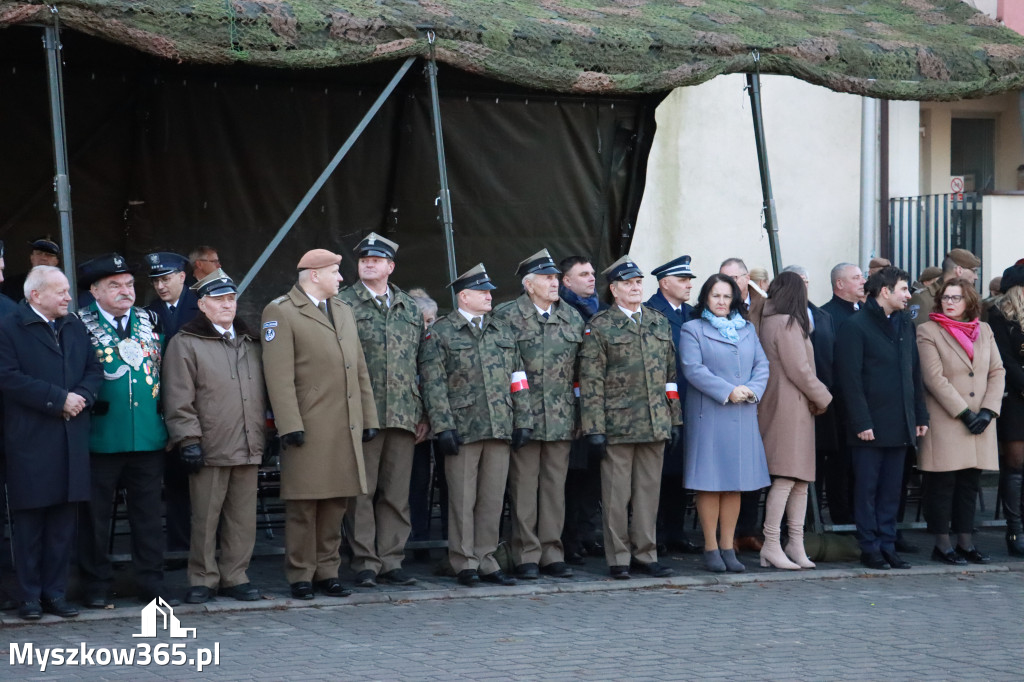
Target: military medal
[(131, 352)]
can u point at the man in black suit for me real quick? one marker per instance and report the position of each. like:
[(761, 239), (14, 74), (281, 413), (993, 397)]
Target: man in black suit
[(675, 280), (49, 376), (7, 306), (176, 306)]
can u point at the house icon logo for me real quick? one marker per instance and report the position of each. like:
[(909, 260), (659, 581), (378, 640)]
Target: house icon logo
[(158, 613)]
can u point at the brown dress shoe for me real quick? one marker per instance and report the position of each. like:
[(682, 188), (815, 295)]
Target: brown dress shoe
[(749, 543)]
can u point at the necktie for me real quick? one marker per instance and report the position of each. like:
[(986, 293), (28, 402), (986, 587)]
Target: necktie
[(476, 322), (635, 317), (170, 309), (122, 326), (227, 336), (545, 315), (326, 311), (382, 301), (53, 326)]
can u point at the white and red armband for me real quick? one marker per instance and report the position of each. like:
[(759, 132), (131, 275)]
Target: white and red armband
[(672, 391), (519, 382), (576, 388)]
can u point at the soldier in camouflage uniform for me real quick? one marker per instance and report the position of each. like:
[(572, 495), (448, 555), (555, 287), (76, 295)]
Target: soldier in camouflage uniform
[(630, 407), (390, 330), (477, 398), (549, 335)]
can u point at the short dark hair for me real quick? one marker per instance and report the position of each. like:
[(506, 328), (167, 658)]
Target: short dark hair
[(887, 277), (568, 263), (737, 304), (971, 297), (788, 295)]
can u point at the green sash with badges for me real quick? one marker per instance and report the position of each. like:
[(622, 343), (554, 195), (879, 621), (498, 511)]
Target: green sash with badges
[(126, 417)]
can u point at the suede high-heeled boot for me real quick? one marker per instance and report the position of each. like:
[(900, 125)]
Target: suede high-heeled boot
[(796, 511), (774, 508)]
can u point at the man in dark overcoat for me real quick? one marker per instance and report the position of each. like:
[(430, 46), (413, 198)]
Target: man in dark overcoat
[(49, 376)]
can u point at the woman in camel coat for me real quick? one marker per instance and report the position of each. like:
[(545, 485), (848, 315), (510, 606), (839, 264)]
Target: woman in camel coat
[(964, 377), (785, 417)]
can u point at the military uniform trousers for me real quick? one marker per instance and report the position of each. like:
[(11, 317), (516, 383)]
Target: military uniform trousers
[(476, 495), (312, 538), (42, 541), (377, 524), (223, 496), (536, 482), (631, 475), (141, 474)]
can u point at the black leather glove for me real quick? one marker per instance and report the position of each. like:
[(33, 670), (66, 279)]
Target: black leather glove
[(369, 434), (967, 417), (676, 438), (597, 444), (192, 457), (981, 421), (448, 442), (293, 439), (520, 437)]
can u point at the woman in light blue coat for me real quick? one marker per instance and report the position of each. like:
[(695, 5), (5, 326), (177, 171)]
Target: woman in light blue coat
[(727, 372)]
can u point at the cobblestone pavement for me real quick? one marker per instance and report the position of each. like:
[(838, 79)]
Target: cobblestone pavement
[(906, 625)]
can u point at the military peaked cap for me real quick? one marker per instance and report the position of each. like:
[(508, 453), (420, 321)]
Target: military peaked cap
[(622, 269), (680, 267), (375, 245), (164, 263), (540, 263), (475, 278)]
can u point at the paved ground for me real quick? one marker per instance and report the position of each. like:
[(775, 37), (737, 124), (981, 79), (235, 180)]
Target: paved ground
[(961, 626)]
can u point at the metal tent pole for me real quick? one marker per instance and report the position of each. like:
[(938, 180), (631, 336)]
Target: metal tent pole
[(771, 221), (322, 180), (444, 197), (61, 184)]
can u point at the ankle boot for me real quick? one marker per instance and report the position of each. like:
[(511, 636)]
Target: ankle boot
[(732, 564), (1010, 483), (774, 508), (796, 511), (713, 561)]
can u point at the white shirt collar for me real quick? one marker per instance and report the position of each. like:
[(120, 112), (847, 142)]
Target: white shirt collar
[(540, 311), (221, 330), (469, 316), (109, 317), (45, 318), (173, 303), (629, 313), (316, 301), (386, 294)]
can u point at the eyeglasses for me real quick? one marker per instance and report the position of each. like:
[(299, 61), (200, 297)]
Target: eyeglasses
[(215, 261), (952, 298)]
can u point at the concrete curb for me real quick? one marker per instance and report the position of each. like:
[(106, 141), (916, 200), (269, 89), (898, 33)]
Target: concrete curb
[(10, 619)]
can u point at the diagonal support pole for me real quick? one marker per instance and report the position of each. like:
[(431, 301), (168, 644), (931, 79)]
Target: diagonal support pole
[(322, 180), (771, 221)]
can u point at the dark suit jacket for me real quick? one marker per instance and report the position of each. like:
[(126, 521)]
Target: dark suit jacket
[(673, 462), (47, 457), (823, 340), (184, 312)]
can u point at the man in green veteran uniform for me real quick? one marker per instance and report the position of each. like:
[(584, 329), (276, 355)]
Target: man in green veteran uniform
[(476, 395), (323, 407), (128, 436), (549, 334), (630, 407), (390, 329)]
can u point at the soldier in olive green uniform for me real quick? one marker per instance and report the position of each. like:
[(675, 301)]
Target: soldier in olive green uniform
[(630, 407), (390, 330), (957, 263), (549, 334), (128, 434), (476, 395)]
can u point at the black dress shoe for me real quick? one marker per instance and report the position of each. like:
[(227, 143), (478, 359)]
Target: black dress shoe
[(499, 578), (331, 587), (97, 599), (895, 560), (147, 595), (397, 576), (557, 569), (366, 578), (59, 607), (656, 570), (619, 572), (529, 571), (874, 560), (575, 559), (242, 592), (973, 555), (198, 594), (30, 610), (302, 590), (468, 577), (948, 557)]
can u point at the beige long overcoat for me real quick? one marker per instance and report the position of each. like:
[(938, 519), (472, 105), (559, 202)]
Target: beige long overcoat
[(783, 415), (318, 383), (953, 384)]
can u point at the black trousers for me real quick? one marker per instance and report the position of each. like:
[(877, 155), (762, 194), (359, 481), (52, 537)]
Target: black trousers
[(141, 474), (42, 542), (420, 483), (672, 509), (878, 480), (950, 498), (582, 501), (748, 524), (179, 506)]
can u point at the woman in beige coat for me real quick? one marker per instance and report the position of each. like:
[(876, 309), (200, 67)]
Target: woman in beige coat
[(786, 418), (964, 378)]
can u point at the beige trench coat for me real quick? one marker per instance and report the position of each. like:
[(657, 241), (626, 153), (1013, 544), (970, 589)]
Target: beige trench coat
[(784, 415), (318, 383), (954, 383)]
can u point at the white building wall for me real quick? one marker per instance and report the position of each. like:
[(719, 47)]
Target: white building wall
[(703, 194), (904, 149)]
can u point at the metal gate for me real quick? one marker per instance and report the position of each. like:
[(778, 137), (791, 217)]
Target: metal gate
[(922, 230)]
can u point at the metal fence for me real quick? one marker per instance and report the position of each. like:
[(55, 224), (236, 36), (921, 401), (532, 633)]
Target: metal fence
[(922, 230)]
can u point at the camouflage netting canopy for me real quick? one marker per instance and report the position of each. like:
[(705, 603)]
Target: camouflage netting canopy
[(895, 49)]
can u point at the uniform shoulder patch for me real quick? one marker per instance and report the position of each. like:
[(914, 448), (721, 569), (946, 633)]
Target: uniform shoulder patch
[(280, 299), (269, 334), (269, 324)]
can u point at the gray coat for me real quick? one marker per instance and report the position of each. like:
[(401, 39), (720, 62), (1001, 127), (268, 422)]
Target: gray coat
[(724, 451)]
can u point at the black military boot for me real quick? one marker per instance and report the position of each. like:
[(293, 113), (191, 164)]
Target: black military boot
[(1010, 484)]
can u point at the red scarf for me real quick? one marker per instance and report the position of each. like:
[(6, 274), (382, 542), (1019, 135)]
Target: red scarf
[(966, 333)]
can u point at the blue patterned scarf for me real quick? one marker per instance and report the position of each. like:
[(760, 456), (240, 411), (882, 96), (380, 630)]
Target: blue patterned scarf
[(726, 326)]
